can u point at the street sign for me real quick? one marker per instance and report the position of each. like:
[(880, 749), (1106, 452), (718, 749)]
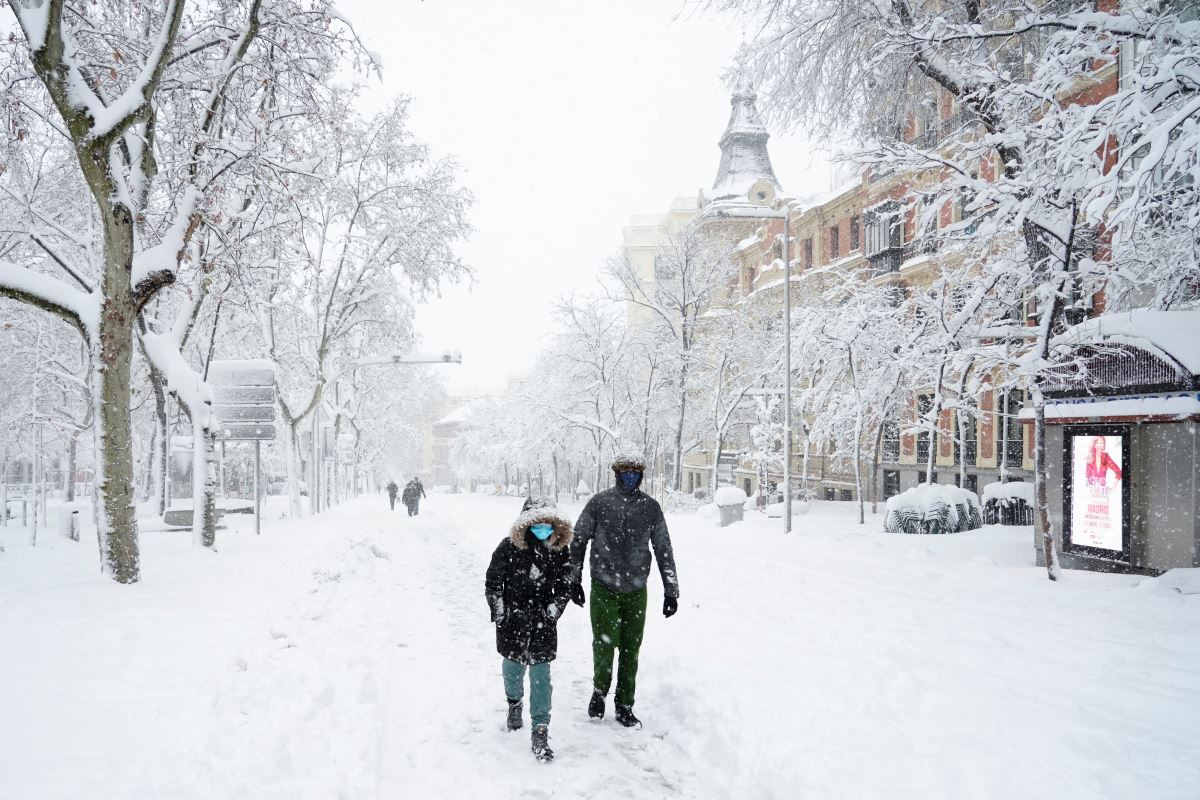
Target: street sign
[(239, 413), (241, 372), (243, 395), (245, 431)]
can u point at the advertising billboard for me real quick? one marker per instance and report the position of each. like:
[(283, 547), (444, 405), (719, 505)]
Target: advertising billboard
[(1096, 500)]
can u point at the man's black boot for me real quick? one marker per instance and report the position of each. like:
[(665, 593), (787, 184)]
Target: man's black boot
[(625, 716), (514, 714), (596, 706)]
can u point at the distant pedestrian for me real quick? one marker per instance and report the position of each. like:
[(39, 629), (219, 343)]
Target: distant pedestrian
[(624, 524), (528, 586), (413, 493), (391, 490)]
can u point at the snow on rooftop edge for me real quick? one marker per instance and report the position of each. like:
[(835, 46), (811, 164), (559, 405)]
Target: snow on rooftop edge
[(1176, 333)]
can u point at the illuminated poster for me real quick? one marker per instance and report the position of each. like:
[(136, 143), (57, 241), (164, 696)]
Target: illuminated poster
[(1097, 496)]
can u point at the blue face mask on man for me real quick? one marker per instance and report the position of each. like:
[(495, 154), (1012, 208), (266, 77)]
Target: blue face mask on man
[(629, 479), (541, 530)]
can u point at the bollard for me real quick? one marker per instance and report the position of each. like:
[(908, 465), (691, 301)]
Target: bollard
[(24, 512), (75, 526)]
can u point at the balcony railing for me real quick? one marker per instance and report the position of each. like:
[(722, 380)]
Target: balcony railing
[(886, 261)]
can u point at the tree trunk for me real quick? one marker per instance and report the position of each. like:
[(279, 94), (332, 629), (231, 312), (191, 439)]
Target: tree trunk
[(1039, 485), (162, 448), (39, 509), (677, 478), (114, 499), (719, 445), (72, 458), (291, 457), (3, 497), (204, 484), (875, 470)]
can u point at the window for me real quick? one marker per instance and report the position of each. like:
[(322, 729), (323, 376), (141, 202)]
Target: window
[(883, 228), (835, 249), (968, 449), (891, 483), (921, 476), (855, 233), (846, 494), (972, 483), (830, 493), (924, 409), (746, 486), (808, 253), (889, 446), (1012, 449)]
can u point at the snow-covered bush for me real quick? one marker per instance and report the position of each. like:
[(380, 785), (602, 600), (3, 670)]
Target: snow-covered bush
[(682, 502), (933, 508)]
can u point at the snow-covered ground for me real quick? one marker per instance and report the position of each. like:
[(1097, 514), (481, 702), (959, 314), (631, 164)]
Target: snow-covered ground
[(350, 656)]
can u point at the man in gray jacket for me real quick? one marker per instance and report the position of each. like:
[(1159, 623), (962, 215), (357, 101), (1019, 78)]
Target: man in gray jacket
[(623, 524)]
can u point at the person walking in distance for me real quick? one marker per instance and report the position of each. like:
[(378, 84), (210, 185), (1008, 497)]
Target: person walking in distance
[(527, 588), (623, 524), (413, 493), (391, 492)]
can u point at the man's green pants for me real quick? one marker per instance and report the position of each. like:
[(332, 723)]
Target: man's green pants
[(618, 620)]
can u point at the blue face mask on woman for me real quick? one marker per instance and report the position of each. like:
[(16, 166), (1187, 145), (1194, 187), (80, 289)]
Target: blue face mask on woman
[(542, 530), (629, 479)]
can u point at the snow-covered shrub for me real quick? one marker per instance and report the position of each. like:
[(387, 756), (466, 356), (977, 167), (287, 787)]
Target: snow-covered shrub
[(775, 510), (681, 502), (933, 508)]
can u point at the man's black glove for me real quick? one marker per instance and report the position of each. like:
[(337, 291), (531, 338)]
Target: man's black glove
[(577, 596), (670, 606)]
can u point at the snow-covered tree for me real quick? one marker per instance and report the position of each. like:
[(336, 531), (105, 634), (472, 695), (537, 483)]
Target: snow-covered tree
[(138, 92), (378, 220), (1061, 129), (692, 270)]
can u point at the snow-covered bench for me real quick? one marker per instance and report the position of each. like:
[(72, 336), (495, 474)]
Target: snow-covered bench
[(933, 508)]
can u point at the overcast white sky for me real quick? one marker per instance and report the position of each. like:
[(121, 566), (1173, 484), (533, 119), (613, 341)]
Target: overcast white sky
[(567, 117)]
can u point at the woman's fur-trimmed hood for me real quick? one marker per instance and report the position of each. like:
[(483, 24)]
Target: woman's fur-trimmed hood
[(541, 509)]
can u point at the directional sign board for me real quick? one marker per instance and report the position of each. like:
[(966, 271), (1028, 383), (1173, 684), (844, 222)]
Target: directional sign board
[(244, 398), (244, 395), (244, 413), (246, 431)]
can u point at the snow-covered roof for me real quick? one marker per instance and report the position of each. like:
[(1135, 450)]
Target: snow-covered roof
[(1175, 334), (1181, 406)]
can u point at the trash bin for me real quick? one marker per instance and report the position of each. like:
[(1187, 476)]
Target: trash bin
[(731, 501)]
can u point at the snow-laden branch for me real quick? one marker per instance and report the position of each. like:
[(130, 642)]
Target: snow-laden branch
[(79, 308), (157, 266), (134, 103)]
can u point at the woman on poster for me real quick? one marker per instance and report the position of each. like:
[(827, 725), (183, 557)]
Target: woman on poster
[(1098, 465)]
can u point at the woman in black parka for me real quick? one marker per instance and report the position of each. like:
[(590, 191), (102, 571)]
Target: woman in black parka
[(527, 588)]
